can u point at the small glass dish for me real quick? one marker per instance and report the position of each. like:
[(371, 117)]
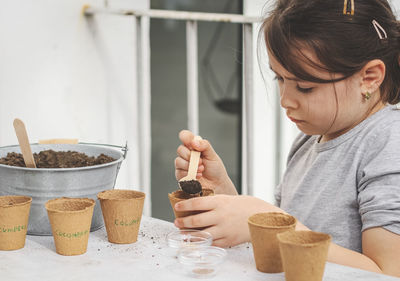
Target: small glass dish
[(201, 262), (188, 237)]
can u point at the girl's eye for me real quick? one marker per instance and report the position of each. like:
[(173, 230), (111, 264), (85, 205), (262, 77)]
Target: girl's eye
[(304, 90), (278, 78)]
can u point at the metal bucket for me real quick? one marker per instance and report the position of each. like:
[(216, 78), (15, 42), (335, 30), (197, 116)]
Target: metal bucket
[(45, 184)]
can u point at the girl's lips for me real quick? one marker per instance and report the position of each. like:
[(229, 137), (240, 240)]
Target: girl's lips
[(295, 120)]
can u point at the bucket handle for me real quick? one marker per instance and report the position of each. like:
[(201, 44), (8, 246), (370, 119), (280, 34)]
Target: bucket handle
[(124, 149)]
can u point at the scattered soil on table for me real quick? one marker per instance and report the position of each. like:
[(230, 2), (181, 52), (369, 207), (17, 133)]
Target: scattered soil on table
[(57, 159)]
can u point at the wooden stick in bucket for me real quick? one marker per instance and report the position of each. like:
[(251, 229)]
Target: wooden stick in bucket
[(59, 141), (23, 141)]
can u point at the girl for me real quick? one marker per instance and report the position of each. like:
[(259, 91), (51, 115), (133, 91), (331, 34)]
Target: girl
[(337, 65)]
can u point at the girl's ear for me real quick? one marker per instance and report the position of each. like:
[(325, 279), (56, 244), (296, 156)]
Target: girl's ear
[(373, 74)]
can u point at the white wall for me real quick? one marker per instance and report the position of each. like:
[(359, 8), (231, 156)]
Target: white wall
[(67, 77)]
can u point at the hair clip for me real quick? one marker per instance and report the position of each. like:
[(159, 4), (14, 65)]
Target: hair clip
[(378, 29), (348, 7)]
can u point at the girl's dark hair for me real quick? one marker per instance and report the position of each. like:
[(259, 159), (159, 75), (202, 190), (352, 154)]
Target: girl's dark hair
[(343, 43)]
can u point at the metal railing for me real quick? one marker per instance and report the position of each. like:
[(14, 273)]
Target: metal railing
[(143, 81)]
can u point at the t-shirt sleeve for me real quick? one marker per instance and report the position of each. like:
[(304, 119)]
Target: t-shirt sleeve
[(379, 184), (277, 195)]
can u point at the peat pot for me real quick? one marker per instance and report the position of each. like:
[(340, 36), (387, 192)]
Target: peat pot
[(45, 184)]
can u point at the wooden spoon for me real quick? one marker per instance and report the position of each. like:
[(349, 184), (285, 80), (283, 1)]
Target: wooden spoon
[(189, 184), (23, 141)]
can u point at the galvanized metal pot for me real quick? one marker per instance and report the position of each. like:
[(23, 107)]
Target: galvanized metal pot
[(45, 184)]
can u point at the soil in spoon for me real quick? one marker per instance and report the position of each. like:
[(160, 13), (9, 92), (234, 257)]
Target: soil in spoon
[(191, 186)]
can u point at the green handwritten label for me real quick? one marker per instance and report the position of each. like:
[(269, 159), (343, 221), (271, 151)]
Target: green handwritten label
[(77, 234), (16, 228), (126, 223)]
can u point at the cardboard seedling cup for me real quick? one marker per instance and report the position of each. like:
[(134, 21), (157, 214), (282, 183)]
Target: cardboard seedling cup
[(70, 220), (122, 212), (14, 216), (263, 230), (304, 254), (180, 195)]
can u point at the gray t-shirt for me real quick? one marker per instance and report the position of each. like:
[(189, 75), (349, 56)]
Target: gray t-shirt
[(348, 184)]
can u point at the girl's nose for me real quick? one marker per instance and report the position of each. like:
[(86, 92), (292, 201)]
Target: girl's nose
[(286, 98)]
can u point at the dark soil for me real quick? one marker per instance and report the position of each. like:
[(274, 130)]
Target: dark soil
[(57, 159), (191, 186), (183, 195)]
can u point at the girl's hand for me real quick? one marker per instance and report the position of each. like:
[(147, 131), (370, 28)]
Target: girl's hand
[(225, 216), (211, 172)]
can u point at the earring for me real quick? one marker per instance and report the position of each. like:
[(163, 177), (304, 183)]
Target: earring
[(367, 95)]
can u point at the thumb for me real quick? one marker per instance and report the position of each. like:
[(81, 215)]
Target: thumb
[(204, 146)]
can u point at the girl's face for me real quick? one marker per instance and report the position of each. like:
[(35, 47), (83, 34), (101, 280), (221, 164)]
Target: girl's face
[(329, 109)]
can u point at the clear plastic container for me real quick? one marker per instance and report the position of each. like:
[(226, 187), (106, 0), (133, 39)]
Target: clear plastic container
[(201, 262), (188, 238)]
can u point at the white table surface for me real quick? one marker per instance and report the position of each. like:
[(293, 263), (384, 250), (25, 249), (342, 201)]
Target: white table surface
[(147, 259)]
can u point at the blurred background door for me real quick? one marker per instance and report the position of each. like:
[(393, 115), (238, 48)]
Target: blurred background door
[(220, 88)]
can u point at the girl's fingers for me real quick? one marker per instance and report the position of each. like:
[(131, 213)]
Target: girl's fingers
[(204, 146), (214, 231), (197, 204), (186, 137), (219, 239), (183, 152), (196, 221), (181, 164), (180, 174), (222, 243)]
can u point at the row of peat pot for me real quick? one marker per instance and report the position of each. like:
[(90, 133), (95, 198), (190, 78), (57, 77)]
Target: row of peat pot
[(278, 247), (71, 218)]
